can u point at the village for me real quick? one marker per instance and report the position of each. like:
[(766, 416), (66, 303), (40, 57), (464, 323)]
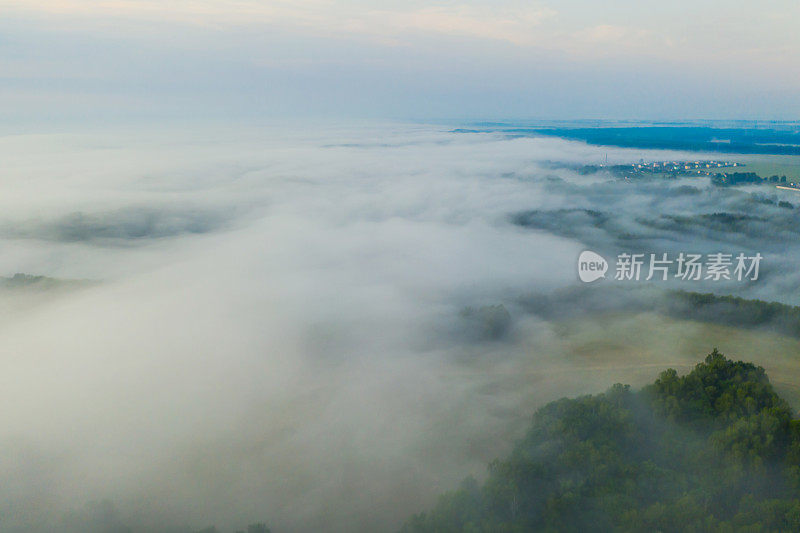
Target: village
[(673, 168), (710, 168)]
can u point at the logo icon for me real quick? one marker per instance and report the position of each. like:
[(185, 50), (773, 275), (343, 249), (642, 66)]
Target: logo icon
[(591, 266)]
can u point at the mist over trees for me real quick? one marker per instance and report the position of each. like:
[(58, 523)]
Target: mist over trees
[(714, 450), (265, 304), (707, 307), (104, 517)]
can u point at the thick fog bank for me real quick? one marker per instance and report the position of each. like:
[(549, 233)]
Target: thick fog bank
[(320, 329)]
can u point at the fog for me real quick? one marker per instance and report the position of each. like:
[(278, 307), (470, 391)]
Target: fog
[(302, 326)]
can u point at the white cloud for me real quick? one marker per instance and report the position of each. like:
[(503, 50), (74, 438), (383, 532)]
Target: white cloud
[(516, 26)]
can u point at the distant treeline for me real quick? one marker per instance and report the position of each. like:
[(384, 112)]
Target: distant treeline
[(103, 517), (715, 450), (580, 301), (28, 281), (744, 178), (735, 311)]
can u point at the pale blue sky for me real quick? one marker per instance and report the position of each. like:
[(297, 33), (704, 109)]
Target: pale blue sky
[(403, 60)]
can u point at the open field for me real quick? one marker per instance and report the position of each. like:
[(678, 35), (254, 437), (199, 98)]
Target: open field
[(634, 348), (765, 166), (573, 357)]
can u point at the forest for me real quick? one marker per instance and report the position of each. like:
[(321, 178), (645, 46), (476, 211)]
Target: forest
[(734, 311), (713, 450)]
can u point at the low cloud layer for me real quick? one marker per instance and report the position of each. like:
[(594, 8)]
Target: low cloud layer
[(318, 329)]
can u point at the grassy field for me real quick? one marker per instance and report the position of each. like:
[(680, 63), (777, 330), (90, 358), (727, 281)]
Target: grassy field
[(634, 348), (573, 357), (500, 390), (766, 166)]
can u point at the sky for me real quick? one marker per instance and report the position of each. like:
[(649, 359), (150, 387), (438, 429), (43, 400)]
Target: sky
[(85, 60)]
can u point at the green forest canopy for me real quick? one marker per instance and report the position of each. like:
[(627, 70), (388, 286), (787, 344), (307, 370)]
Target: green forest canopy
[(714, 450)]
